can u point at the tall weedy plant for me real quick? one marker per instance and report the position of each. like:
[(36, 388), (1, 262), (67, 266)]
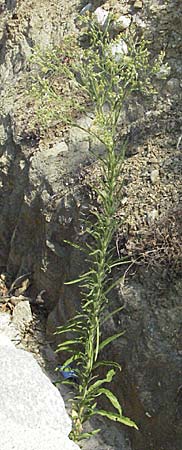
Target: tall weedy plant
[(104, 73)]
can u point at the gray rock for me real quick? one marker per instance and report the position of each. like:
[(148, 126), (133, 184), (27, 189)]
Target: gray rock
[(163, 72), (154, 176), (139, 22), (8, 328), (122, 23), (138, 4), (173, 85), (32, 413), (4, 322), (3, 135), (119, 49), (101, 16), (22, 315), (60, 147), (152, 216), (45, 166), (79, 139)]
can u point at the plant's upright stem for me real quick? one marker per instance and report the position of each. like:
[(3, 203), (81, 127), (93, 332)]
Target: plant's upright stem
[(103, 232)]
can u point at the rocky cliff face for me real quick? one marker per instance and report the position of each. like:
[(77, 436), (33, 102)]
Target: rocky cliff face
[(44, 188)]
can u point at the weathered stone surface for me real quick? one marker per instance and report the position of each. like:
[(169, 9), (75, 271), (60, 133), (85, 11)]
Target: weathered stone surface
[(32, 413), (138, 4), (122, 23), (79, 139), (173, 86), (9, 329), (150, 354), (101, 16), (119, 49), (22, 315), (154, 176)]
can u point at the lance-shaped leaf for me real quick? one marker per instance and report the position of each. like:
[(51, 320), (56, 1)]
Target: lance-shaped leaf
[(112, 398), (97, 339), (77, 356), (119, 263), (108, 363), (110, 339), (89, 434), (81, 278), (69, 345), (74, 326), (77, 246), (114, 284), (97, 384), (111, 314), (116, 418)]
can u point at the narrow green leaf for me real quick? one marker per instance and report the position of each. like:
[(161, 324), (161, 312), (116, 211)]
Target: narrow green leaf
[(116, 418), (112, 398), (77, 246), (119, 263), (81, 277), (111, 314), (72, 282), (119, 280), (68, 382), (75, 322), (97, 339), (60, 331), (71, 329), (110, 339), (97, 384), (65, 349), (70, 342), (95, 252), (74, 327), (89, 434), (107, 364), (127, 421), (73, 358)]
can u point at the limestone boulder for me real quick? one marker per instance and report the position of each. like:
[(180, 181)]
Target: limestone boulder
[(33, 414)]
